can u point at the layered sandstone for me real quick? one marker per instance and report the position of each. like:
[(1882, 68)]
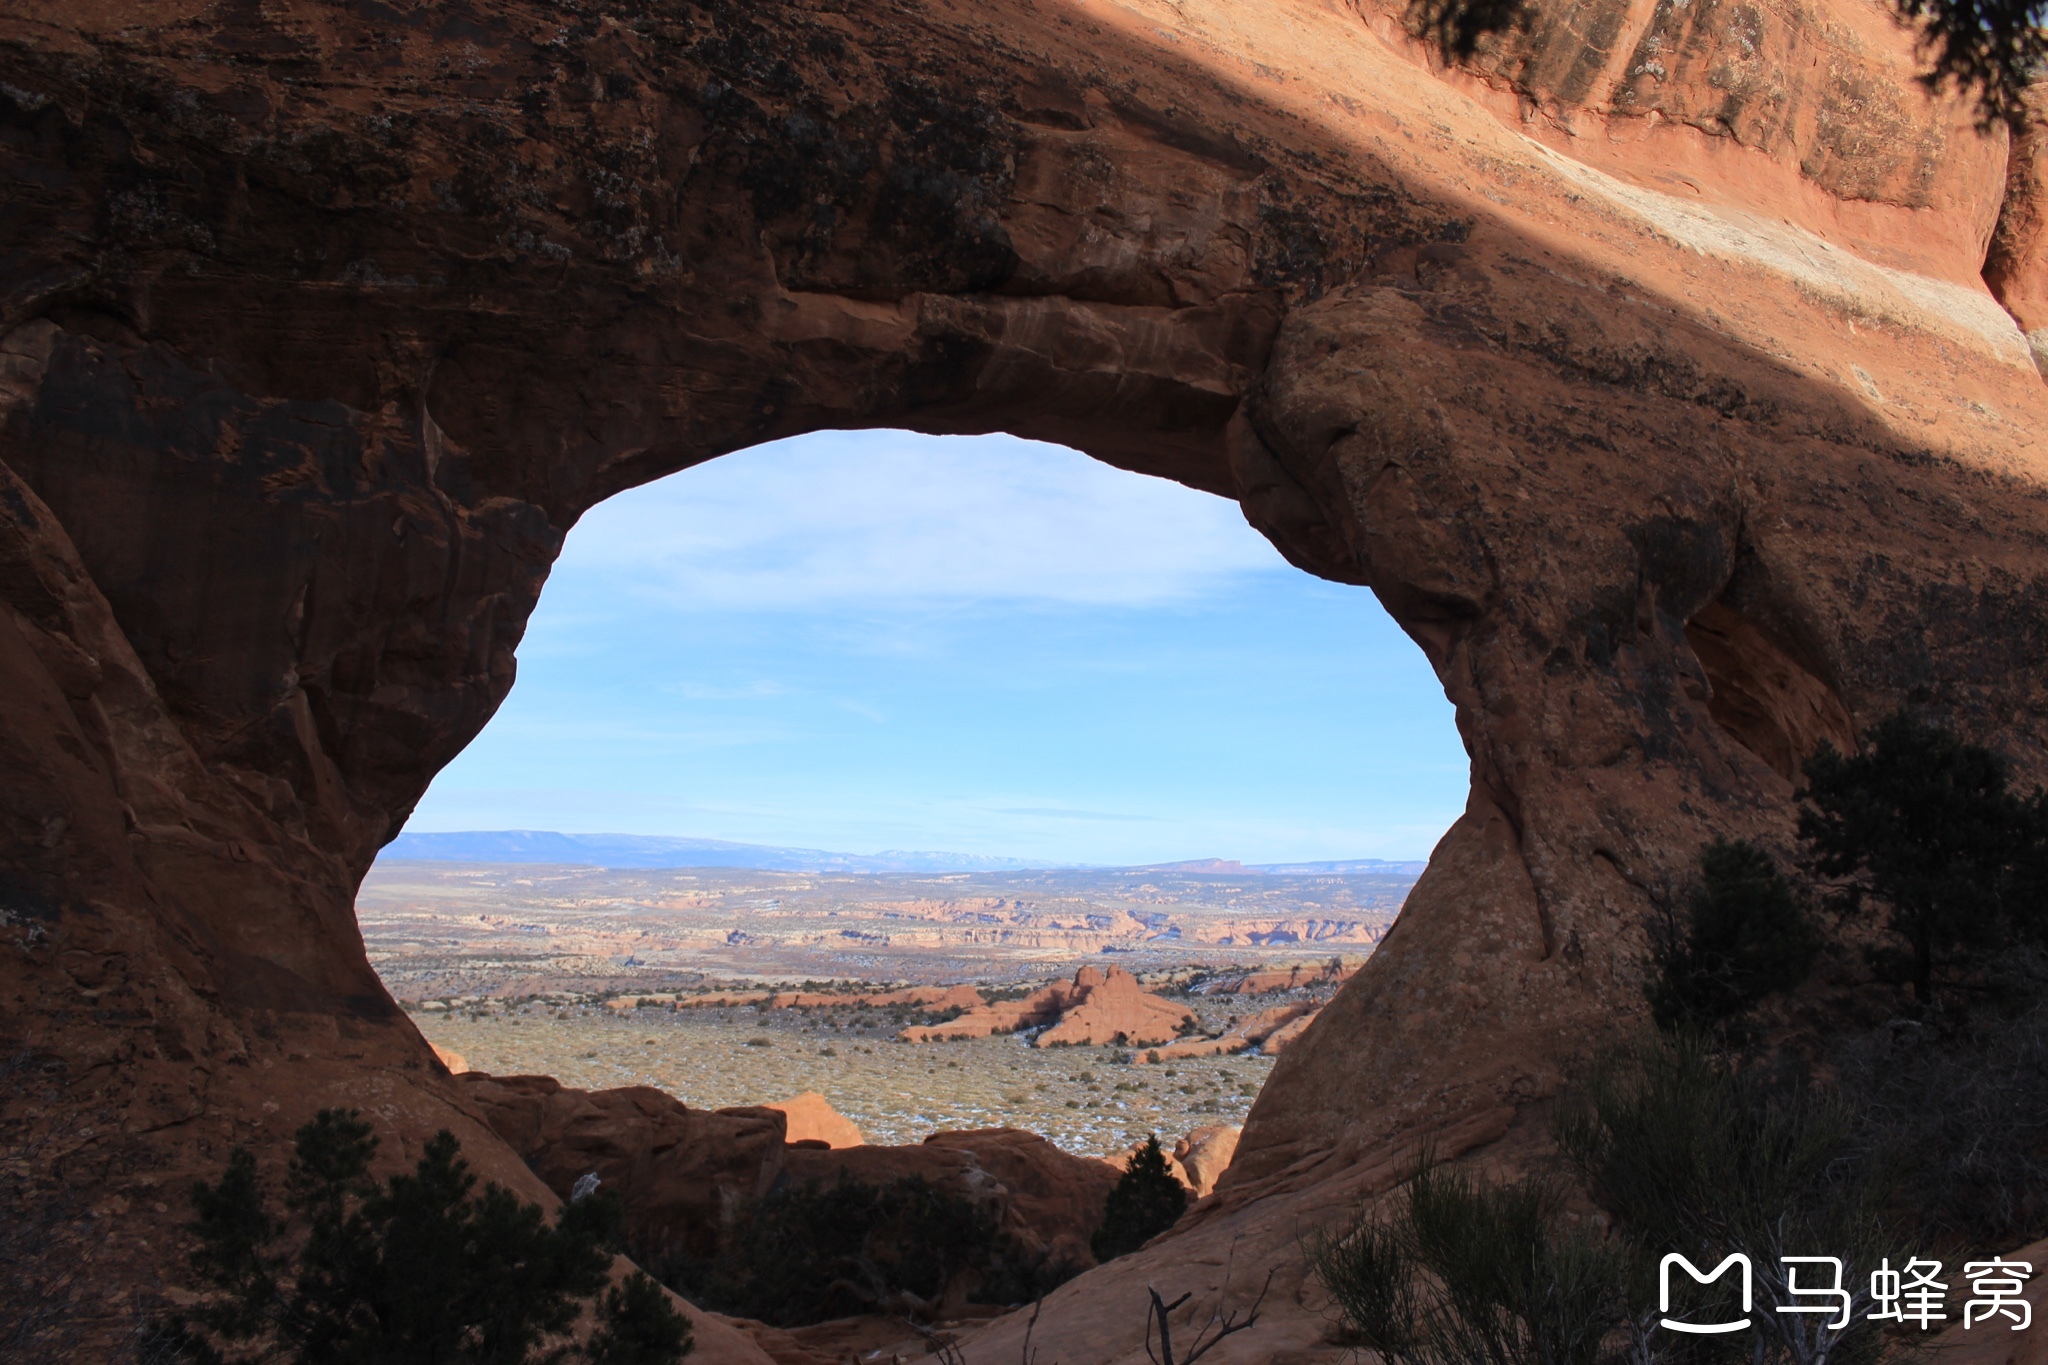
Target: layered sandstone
[(1095, 1008), (1667, 378)]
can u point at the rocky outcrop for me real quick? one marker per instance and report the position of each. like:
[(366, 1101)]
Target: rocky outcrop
[(1300, 977), (1204, 1155), (810, 1118), (681, 1173), (1249, 1032), (1095, 1008), (1646, 371), (1049, 1200)]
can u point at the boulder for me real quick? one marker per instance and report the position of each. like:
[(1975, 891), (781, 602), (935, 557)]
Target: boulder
[(810, 1117), (681, 1172), (1049, 1199), (1205, 1154)]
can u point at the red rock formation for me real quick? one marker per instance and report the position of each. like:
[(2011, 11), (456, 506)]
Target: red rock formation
[(1246, 1033), (1049, 1200), (1284, 979), (926, 997), (811, 1118), (1647, 372), (1096, 1008), (1204, 1155), (1290, 1032), (681, 1172)]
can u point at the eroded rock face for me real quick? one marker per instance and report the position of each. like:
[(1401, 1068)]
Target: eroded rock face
[(1656, 381)]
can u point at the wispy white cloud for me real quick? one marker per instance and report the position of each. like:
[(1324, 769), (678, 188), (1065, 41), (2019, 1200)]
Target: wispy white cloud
[(879, 519)]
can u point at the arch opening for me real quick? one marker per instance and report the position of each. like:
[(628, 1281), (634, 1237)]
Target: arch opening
[(891, 709)]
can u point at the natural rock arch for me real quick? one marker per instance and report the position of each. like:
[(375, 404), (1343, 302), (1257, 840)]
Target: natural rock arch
[(1671, 417)]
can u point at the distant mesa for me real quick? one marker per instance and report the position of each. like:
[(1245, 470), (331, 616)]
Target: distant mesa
[(1227, 867), (650, 851), (1096, 1008), (662, 851)]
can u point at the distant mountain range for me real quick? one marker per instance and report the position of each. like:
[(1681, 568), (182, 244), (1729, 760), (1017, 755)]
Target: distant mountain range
[(653, 851)]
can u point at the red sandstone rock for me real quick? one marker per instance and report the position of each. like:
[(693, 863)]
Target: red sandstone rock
[(928, 997), (1050, 1200), (1247, 1033), (1650, 372), (1289, 1033), (1285, 979), (1096, 1008), (680, 1171), (1204, 1155), (811, 1118), (452, 1060)]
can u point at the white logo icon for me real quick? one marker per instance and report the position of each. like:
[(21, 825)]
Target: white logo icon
[(1704, 1328)]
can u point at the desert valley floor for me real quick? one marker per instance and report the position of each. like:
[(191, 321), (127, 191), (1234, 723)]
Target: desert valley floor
[(572, 971)]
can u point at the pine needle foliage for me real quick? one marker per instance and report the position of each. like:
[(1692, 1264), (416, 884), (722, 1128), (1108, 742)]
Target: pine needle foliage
[(1925, 827), (1146, 1201), (1744, 937), (420, 1269), (804, 1253)]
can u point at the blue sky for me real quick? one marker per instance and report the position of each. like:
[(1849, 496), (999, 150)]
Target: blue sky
[(861, 641)]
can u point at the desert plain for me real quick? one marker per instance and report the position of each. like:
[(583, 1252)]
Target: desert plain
[(607, 977)]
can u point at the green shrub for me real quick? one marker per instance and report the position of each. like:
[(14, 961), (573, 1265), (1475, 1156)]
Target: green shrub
[(807, 1253), (1467, 1272), (1744, 938), (1685, 1155), (1689, 1155), (1959, 1110), (1146, 1201), (421, 1268), (1924, 825)]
